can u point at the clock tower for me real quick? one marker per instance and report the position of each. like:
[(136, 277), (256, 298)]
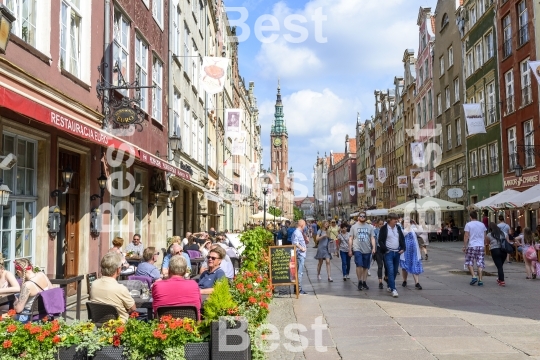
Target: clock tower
[(279, 158)]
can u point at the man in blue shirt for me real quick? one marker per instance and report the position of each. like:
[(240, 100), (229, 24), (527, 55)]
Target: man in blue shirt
[(214, 272), (147, 268), (300, 241), (176, 249)]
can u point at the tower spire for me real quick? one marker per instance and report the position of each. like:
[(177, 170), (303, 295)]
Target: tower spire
[(279, 127)]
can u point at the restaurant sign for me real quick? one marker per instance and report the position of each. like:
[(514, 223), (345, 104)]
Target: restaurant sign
[(163, 165), (124, 116), (530, 179)]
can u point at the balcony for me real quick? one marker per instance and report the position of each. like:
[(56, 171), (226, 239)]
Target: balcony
[(526, 95), (507, 48), (523, 35)]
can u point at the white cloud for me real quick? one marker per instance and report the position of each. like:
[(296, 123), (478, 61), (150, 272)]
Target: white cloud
[(283, 60)]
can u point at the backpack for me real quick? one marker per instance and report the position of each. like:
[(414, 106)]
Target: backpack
[(506, 246), (530, 253)]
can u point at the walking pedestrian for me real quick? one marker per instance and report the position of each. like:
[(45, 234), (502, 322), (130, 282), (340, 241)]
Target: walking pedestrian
[(333, 232), (297, 239), (362, 244), (495, 238), (392, 244), (343, 244), (411, 259), (473, 247), (323, 252), (379, 257)]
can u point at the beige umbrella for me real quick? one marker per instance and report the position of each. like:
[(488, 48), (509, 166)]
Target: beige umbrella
[(260, 216), (426, 203)]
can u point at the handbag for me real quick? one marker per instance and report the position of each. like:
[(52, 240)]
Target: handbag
[(507, 247), (530, 253)]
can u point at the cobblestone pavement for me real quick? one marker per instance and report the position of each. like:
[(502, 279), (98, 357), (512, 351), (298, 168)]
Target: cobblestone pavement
[(448, 319)]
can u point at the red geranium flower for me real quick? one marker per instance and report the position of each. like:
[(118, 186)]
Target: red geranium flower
[(252, 300), (12, 313), (56, 339), (134, 315), (120, 330), (7, 344), (11, 328)]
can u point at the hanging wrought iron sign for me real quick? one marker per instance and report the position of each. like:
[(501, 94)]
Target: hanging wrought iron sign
[(122, 110)]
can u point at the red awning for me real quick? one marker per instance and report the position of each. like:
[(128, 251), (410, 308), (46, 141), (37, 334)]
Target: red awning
[(163, 165), (25, 106)]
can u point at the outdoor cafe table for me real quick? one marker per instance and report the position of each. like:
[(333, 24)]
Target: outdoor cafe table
[(147, 304), (64, 281)]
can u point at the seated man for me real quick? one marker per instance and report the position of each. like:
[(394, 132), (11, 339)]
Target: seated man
[(107, 290), (176, 291), (147, 268), (176, 249), (226, 263), (135, 247), (213, 273)]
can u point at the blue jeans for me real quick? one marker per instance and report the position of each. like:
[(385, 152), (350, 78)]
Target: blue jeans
[(345, 262), (391, 262), (300, 260)]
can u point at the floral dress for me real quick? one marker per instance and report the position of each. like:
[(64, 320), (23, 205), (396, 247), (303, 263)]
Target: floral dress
[(410, 261)]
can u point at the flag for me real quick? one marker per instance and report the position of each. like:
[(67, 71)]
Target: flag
[(417, 151), (339, 196), (233, 122), (475, 118), (352, 190), (360, 185), (381, 174), (239, 145), (402, 182), (370, 181), (329, 198), (213, 74), (535, 68)]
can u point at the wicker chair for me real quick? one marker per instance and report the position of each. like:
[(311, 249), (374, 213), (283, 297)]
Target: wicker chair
[(101, 313), (184, 311)]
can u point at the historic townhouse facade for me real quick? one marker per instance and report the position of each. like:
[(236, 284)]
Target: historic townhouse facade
[(480, 69), (388, 194), (361, 160), (341, 177), (409, 116), (397, 116), (379, 147), (516, 45), (448, 89), (320, 187)]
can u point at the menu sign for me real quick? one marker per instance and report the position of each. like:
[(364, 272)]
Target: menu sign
[(283, 266)]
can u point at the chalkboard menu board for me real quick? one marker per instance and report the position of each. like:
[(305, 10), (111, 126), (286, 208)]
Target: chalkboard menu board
[(283, 269)]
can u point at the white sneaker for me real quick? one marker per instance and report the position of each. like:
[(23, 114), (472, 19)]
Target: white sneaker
[(395, 294), (388, 289), (368, 273), (348, 277)]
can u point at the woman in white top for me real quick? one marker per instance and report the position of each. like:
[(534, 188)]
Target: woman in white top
[(8, 284), (32, 284)]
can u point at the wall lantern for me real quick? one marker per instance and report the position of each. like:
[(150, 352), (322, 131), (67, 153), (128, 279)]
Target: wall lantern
[(132, 198), (67, 176), (519, 170), (4, 193), (175, 143), (102, 182), (54, 220), (6, 21), (95, 221)]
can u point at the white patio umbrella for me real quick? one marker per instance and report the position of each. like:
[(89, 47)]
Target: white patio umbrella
[(497, 199), (520, 200), (426, 203), (260, 216)]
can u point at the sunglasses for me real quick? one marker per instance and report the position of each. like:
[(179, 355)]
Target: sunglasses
[(362, 216), (212, 257), (156, 253)]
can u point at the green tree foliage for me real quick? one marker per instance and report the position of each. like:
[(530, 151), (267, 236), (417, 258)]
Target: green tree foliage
[(298, 214), (274, 211)]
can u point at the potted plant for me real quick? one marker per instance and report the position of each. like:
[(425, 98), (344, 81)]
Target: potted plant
[(77, 340)]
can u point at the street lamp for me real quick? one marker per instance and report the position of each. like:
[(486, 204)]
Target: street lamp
[(519, 170), (102, 182), (6, 21), (4, 193), (67, 176), (264, 186), (415, 196)]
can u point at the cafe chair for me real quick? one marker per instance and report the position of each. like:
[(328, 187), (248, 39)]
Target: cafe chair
[(101, 313), (445, 235), (455, 233), (144, 279), (184, 311), (236, 262), (48, 303)]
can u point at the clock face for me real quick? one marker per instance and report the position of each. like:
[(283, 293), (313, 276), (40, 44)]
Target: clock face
[(277, 142)]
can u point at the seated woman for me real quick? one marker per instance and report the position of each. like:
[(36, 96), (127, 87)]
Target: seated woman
[(32, 284), (118, 242), (176, 290), (8, 284), (213, 272), (191, 245)]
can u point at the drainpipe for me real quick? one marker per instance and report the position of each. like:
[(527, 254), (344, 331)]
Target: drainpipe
[(172, 10)]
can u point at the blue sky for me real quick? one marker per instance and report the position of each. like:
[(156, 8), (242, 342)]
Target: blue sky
[(324, 85)]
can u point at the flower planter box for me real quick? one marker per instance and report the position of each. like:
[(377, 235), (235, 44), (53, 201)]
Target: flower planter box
[(194, 351), (71, 353), (236, 349), (109, 353)]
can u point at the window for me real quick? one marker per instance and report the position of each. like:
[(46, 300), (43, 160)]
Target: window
[(488, 44), (491, 103), (141, 70), (470, 63), (201, 144), (186, 49), (507, 36), (194, 61), (441, 65), (17, 224), (443, 178), (185, 135), (418, 114), (424, 109), (174, 126), (447, 97), (177, 20), (474, 163), (25, 23), (472, 15), (512, 155), (493, 158), (509, 83), (426, 70), (430, 105), (450, 176), (157, 11), (456, 90), (526, 96), (423, 41), (450, 57), (121, 47), (420, 77), (448, 137), (483, 161), (481, 101), (70, 37), (523, 23), (439, 104), (459, 173), (458, 132), (194, 132), (481, 8), (157, 81), (479, 55), (529, 143)]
